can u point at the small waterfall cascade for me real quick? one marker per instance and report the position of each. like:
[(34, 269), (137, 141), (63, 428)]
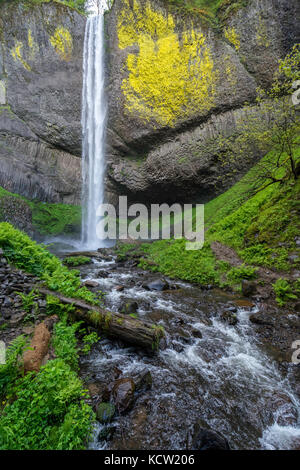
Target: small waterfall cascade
[(93, 123)]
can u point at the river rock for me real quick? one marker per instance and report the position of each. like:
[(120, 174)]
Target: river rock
[(143, 380), (106, 433), (248, 288), (123, 394), (261, 319), (105, 412), (159, 285), (206, 439), (196, 333), (129, 307), (91, 283), (229, 317)]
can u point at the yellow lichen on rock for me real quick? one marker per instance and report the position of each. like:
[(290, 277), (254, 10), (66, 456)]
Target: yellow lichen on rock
[(33, 46), (62, 42), (170, 78), (232, 36), (16, 52), (261, 33)]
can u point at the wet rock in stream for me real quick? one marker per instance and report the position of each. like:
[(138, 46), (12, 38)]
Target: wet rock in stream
[(213, 367), (204, 439)]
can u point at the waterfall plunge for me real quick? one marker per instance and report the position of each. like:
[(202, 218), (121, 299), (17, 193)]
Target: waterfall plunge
[(93, 125)]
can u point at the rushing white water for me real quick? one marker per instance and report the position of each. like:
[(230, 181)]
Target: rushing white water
[(93, 124)]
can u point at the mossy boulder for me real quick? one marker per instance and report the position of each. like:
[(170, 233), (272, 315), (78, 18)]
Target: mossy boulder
[(105, 412)]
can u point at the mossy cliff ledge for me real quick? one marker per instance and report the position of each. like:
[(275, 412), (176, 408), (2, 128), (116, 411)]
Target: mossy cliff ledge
[(174, 81), (41, 48)]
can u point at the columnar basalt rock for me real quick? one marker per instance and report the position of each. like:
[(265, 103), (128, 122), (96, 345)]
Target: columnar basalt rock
[(40, 94), (173, 82)]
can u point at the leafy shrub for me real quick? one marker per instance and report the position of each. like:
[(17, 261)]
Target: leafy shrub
[(33, 258), (49, 411), (283, 291), (88, 341), (11, 370), (241, 272), (77, 260), (28, 300), (65, 344)]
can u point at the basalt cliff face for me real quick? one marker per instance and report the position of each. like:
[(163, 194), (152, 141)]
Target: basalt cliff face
[(173, 82), (40, 101)]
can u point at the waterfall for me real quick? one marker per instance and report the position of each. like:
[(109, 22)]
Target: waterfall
[(93, 123)]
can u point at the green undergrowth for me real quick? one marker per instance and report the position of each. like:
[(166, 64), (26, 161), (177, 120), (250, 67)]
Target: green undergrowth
[(49, 219), (45, 410), (214, 11), (26, 254), (261, 226), (76, 260), (77, 5)]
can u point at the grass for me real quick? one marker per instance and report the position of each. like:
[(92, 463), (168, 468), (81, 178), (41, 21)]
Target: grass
[(262, 229)]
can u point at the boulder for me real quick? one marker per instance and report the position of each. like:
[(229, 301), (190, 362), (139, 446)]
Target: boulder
[(229, 317), (123, 394), (129, 307), (105, 412), (90, 283), (143, 380), (205, 439), (159, 285), (248, 288)]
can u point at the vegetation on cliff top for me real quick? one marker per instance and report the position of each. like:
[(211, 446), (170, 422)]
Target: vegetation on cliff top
[(47, 218), (213, 10), (75, 4)]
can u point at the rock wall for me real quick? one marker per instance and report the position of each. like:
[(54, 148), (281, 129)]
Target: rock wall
[(174, 83), (40, 94)]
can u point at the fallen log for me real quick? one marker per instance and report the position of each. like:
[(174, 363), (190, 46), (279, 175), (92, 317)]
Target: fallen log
[(115, 325)]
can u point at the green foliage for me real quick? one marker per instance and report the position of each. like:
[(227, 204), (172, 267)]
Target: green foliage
[(33, 258), (75, 4), (77, 260), (172, 259), (241, 272), (49, 411), (211, 10), (50, 219), (260, 226), (64, 343), (55, 219), (11, 370), (88, 341), (283, 291), (273, 124), (55, 307), (28, 301)]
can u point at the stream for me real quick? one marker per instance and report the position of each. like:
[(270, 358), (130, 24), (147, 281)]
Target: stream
[(222, 380), (212, 374)]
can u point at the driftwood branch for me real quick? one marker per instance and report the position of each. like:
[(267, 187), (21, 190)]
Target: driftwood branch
[(115, 325)]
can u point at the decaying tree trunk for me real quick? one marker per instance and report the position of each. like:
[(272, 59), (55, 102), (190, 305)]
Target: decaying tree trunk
[(33, 357), (115, 325)]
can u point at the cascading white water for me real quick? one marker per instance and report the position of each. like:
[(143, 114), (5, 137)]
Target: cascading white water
[(93, 123)]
